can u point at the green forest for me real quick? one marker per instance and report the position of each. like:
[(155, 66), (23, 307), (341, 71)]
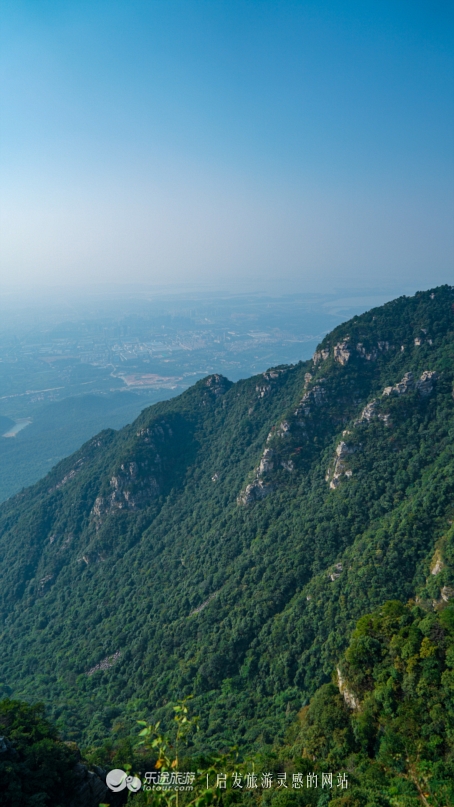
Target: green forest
[(56, 430), (280, 551)]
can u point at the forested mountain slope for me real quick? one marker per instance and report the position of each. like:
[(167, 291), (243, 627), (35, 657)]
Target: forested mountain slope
[(227, 541)]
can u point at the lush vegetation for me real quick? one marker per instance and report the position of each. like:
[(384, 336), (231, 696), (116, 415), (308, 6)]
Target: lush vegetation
[(36, 767), (135, 574), (57, 429), (395, 733), (379, 734), (383, 727)]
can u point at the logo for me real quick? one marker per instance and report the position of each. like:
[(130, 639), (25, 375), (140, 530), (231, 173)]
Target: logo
[(117, 780)]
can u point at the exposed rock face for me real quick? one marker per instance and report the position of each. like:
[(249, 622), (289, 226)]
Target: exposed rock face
[(217, 384), (138, 481), (67, 477), (342, 352), (45, 580), (105, 664), (337, 573), (372, 354), (258, 489), (128, 492), (340, 469), (423, 385), (269, 461), (343, 449), (318, 395), (383, 346), (349, 697), (402, 387), (288, 465), (283, 428), (273, 374), (144, 488), (204, 604), (371, 411), (315, 396), (320, 355), (273, 458), (437, 563), (263, 389), (266, 462), (158, 431), (447, 593), (369, 356)]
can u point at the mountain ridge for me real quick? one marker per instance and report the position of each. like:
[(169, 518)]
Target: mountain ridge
[(226, 542)]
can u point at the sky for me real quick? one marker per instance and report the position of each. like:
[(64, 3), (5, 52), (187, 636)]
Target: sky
[(242, 144)]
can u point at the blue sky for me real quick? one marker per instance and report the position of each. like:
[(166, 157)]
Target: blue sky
[(227, 142)]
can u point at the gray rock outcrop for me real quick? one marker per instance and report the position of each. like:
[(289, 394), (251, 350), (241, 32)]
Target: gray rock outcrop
[(338, 569), (342, 352), (370, 355), (313, 397), (350, 698), (255, 491), (424, 385), (266, 462), (447, 593), (138, 481), (402, 387), (371, 411), (340, 467), (217, 384), (320, 355)]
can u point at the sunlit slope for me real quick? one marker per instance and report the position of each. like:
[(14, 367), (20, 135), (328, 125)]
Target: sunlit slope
[(226, 542)]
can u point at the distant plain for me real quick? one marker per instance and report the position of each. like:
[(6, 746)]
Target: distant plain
[(69, 371)]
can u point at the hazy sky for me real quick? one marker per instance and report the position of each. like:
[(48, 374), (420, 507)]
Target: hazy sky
[(235, 142)]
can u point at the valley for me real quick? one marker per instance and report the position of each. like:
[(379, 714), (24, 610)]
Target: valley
[(227, 542)]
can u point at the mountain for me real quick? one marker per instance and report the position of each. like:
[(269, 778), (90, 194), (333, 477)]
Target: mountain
[(387, 716), (226, 543), (56, 429)]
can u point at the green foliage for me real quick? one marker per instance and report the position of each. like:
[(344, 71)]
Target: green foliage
[(398, 674), (132, 577), (36, 768), (153, 739), (57, 429)]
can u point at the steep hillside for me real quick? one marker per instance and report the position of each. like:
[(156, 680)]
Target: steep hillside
[(387, 716), (227, 541)]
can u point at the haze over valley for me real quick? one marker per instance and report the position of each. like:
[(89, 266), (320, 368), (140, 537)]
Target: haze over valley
[(67, 371)]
